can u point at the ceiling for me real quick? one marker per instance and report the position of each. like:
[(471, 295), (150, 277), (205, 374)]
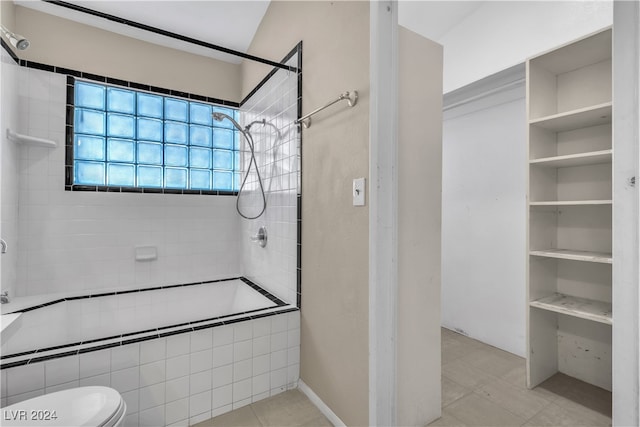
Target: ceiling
[(232, 23), (227, 23)]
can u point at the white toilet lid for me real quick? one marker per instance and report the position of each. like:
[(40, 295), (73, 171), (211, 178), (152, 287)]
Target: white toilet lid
[(83, 406)]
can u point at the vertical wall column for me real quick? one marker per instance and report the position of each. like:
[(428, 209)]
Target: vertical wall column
[(383, 215), (626, 131)]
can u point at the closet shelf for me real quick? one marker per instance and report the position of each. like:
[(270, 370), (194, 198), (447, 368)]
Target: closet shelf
[(584, 117), (571, 160), (599, 257), (598, 311), (571, 203)]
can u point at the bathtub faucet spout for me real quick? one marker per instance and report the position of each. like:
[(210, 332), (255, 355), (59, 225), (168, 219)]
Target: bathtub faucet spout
[(4, 297)]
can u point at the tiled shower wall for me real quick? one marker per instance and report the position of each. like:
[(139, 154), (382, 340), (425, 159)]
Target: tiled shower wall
[(9, 171), (78, 241), (278, 159)]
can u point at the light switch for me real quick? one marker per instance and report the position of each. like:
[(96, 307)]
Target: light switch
[(358, 191)]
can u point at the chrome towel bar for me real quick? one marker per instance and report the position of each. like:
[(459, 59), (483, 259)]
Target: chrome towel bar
[(350, 97)]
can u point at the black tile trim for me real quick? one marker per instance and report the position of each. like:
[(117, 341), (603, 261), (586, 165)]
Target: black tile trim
[(128, 291), (164, 33), (37, 359), (296, 49), (10, 51), (153, 333)]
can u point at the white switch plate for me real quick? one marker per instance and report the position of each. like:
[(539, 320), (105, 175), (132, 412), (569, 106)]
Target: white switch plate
[(358, 191)]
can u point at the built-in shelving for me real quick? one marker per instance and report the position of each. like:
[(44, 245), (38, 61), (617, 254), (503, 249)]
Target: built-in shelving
[(569, 215), (586, 256), (572, 160), (583, 308), (572, 203), (576, 119)]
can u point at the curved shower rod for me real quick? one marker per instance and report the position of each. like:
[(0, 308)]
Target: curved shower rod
[(352, 100)]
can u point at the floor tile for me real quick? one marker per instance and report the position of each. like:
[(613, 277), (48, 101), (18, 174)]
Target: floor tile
[(243, 417), (447, 420), (492, 360), (466, 375), (555, 415), (291, 408), (521, 402), (474, 410), (570, 391), (452, 391)]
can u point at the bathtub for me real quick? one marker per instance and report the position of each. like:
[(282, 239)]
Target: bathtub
[(178, 354)]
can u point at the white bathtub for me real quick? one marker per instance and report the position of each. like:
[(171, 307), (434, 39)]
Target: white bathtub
[(101, 318), (177, 355)]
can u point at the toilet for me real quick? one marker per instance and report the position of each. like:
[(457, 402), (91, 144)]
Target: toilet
[(82, 406)]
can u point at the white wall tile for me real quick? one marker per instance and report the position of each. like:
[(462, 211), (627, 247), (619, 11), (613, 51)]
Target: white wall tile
[(222, 376), (152, 396), (60, 387), (241, 390), (153, 373), (221, 410), (178, 345), (103, 380), (23, 379), (278, 378), (177, 367), (221, 396), (131, 398), (199, 418), (279, 324), (130, 420), (152, 417), (152, 350), (222, 355), (125, 379), (177, 389), (177, 411), (200, 403), (95, 363), (201, 361), (242, 370), (293, 338), (279, 341), (242, 350), (261, 345), (278, 359), (125, 356), (261, 327), (201, 340), (260, 384), (222, 335), (242, 331), (61, 370), (200, 382)]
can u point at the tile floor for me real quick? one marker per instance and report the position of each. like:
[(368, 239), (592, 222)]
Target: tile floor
[(485, 386), (481, 386), (291, 408)]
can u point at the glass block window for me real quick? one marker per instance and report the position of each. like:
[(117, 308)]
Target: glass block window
[(129, 138)]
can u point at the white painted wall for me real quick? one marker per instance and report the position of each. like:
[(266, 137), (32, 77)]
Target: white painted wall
[(500, 34), (483, 219)]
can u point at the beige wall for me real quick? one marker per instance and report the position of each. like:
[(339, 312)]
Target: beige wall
[(419, 228), (334, 334), (8, 18), (68, 44)]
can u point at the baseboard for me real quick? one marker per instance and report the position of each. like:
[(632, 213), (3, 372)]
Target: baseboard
[(326, 411)]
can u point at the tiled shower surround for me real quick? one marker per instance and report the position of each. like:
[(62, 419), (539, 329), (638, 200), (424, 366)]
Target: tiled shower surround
[(278, 158), (81, 242), (181, 379)]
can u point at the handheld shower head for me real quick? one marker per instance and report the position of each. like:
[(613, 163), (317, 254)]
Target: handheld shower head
[(217, 116), (18, 41)]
